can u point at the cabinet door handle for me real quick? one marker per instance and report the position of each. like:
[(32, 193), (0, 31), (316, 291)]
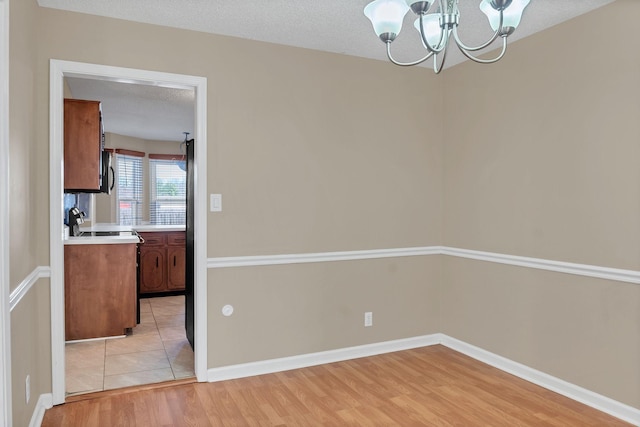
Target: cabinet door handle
[(156, 262), (174, 260), (113, 178)]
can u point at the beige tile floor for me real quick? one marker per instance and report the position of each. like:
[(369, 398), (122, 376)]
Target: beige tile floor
[(156, 351)]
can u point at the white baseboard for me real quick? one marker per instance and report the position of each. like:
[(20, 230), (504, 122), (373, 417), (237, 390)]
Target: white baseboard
[(45, 401), (320, 358), (579, 394), (572, 391)]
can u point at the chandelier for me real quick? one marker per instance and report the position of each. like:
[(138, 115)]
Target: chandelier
[(437, 28)]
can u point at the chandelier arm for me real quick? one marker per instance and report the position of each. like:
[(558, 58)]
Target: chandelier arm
[(487, 61), (437, 69), (425, 42), (406, 64), (463, 46)]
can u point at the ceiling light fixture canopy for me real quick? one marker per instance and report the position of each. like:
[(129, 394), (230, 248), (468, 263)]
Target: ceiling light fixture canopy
[(436, 28)]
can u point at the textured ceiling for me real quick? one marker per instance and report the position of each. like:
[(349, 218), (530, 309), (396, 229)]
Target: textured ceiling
[(141, 111), (337, 26)]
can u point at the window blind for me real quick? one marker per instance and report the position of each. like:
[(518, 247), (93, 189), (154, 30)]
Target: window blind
[(129, 189), (168, 190)]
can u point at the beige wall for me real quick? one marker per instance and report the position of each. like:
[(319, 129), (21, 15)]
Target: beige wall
[(303, 145), (321, 152), (582, 330), (28, 214), (542, 148), (24, 237), (542, 159), (312, 152), (30, 351), (287, 310)]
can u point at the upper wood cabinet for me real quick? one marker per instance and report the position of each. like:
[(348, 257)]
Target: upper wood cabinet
[(82, 145)]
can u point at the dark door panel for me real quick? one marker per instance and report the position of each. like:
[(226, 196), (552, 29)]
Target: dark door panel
[(189, 261)]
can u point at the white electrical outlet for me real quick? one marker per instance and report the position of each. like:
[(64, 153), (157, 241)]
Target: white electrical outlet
[(27, 387), (368, 318)]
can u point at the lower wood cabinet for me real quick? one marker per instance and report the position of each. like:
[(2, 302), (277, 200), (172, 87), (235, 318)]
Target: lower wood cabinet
[(176, 271), (99, 290), (153, 269), (162, 262)]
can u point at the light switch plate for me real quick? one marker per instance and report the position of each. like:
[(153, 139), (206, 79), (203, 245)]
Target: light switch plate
[(216, 203)]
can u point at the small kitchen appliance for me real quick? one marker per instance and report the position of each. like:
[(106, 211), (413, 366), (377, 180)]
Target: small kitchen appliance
[(75, 218)]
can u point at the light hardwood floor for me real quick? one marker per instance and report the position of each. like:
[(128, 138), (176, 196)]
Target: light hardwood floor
[(431, 386)]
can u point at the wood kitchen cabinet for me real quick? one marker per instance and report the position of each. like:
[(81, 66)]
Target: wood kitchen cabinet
[(100, 290), (152, 269), (176, 258), (162, 262), (83, 144)]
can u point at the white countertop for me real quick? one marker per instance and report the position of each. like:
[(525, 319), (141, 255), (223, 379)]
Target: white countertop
[(106, 227), (151, 228), (125, 228), (102, 240), (125, 237)]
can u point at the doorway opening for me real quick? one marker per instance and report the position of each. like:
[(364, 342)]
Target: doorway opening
[(59, 70), (156, 350)]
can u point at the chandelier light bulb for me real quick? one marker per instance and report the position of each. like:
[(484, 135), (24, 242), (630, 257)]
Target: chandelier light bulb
[(511, 14), (432, 30), (386, 16)]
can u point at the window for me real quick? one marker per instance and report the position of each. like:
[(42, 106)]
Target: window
[(83, 201), (130, 185), (168, 190)]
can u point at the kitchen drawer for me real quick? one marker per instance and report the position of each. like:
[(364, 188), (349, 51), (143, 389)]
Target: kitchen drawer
[(154, 239), (176, 238)]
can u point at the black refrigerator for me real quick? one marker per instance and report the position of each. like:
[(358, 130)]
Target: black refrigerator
[(190, 249)]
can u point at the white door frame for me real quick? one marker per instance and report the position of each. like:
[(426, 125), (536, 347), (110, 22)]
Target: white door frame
[(58, 70), (5, 315)]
